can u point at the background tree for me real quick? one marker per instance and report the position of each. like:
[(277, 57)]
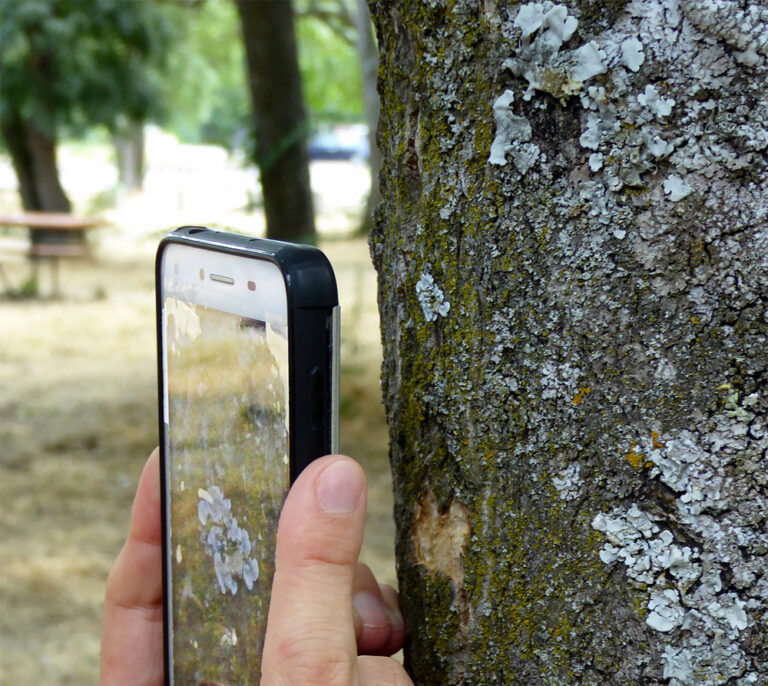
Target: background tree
[(72, 64), (351, 24), (368, 54), (572, 257), (280, 123), (128, 140), (209, 101)]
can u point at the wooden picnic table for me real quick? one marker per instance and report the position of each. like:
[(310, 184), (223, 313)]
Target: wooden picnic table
[(53, 235)]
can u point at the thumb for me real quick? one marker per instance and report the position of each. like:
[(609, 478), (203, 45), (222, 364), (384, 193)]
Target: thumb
[(310, 632)]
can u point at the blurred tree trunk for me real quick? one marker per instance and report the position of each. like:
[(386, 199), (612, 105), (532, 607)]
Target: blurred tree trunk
[(33, 155), (572, 254), (369, 62), (279, 117), (129, 147)]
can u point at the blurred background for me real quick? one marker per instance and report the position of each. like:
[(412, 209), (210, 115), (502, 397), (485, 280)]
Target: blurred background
[(119, 120)]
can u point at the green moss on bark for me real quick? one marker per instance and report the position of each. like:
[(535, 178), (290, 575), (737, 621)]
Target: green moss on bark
[(586, 328)]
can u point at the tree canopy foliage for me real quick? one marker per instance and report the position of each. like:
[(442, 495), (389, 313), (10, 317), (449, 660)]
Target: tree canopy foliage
[(79, 63), (67, 66), (208, 100), (328, 61)]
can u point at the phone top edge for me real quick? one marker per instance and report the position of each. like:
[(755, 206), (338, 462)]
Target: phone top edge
[(309, 276), (312, 297)]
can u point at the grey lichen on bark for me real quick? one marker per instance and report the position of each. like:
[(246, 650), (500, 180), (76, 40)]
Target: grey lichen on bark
[(572, 254)]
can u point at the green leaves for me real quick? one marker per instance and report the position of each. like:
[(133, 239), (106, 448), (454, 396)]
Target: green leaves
[(79, 63)]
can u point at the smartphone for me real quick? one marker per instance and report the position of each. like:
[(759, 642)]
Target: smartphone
[(248, 384)]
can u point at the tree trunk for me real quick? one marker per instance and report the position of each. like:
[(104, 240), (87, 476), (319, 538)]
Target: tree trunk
[(33, 155), (369, 63), (280, 122), (572, 254), (129, 147)]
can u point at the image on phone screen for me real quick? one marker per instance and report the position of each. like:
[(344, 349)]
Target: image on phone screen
[(227, 473)]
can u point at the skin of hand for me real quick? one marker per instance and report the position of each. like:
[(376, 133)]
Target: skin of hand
[(329, 622)]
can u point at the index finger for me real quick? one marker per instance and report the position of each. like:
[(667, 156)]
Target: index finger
[(310, 632)]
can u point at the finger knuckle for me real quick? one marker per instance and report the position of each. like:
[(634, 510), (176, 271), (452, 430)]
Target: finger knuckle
[(314, 663)]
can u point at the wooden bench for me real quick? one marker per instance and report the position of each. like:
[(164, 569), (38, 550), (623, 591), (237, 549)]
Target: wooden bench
[(53, 235)]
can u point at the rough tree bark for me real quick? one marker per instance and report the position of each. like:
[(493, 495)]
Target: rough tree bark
[(572, 254), (280, 122)]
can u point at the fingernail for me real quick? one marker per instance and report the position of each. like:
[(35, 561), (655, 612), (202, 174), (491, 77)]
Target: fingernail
[(395, 619), (370, 609), (340, 487)]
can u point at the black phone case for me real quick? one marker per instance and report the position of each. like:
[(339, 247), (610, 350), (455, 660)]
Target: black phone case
[(312, 296)]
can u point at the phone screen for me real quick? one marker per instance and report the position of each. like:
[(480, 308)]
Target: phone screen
[(227, 473)]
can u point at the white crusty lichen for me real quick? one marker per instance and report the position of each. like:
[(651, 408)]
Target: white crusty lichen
[(646, 550), (547, 66), (558, 381), (632, 56), (657, 146), (623, 129), (593, 133), (431, 298), (688, 598), (631, 150), (225, 541), (557, 27), (650, 98), (676, 188), (228, 638), (678, 109), (634, 125), (684, 593), (513, 135), (545, 27), (743, 28), (596, 161), (568, 482), (666, 611)]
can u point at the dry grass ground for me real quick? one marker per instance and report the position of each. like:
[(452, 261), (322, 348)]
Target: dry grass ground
[(77, 420)]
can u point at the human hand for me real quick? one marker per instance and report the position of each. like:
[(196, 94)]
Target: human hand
[(312, 635), (329, 622)]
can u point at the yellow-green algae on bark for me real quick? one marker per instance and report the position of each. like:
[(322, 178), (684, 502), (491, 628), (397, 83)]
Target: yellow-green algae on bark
[(574, 330)]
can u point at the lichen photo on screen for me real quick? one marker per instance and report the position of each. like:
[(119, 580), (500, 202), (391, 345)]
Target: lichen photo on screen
[(228, 404)]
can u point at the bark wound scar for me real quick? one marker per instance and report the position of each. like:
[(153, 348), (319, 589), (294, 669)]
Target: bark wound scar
[(439, 537)]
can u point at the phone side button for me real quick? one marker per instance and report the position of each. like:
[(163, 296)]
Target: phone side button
[(316, 398)]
